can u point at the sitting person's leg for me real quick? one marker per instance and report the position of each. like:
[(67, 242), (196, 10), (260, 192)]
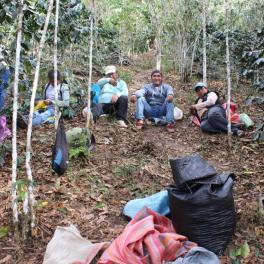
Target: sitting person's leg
[(121, 107), (217, 121), (168, 112), (207, 127), (143, 109), (97, 110), (39, 118)]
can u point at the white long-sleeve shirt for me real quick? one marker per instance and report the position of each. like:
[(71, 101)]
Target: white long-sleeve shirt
[(211, 100)]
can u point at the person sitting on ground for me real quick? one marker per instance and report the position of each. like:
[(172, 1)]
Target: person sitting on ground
[(209, 111), (113, 98), (46, 107), (154, 100)]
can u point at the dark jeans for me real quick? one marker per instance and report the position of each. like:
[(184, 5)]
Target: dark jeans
[(119, 109), (214, 121)]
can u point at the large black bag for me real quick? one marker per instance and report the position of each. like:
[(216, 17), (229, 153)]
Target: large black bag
[(189, 169), (60, 158), (203, 208)]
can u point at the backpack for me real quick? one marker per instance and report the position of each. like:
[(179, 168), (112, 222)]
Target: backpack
[(95, 93), (59, 162)]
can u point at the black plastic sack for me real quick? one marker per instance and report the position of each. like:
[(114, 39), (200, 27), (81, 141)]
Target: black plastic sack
[(59, 162), (205, 212), (190, 168)]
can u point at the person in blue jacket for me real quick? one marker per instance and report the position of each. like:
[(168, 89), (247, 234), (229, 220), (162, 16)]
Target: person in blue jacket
[(5, 75), (113, 98)]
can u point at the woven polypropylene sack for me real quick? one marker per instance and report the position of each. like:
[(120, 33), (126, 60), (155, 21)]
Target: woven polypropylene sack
[(205, 213)]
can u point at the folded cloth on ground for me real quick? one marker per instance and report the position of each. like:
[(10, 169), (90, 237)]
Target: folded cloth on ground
[(148, 238), (4, 131), (197, 255), (157, 202), (68, 247)]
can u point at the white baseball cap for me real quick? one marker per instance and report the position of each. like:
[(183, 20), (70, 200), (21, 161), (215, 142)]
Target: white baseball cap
[(110, 69)]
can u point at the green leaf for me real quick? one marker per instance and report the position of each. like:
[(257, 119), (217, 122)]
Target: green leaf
[(86, 3), (245, 250), (4, 231)]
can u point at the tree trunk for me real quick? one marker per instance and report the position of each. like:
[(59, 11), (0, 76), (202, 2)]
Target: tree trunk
[(90, 67), (29, 201), (56, 63), (14, 134), (204, 43), (158, 52), (228, 71), (193, 53)]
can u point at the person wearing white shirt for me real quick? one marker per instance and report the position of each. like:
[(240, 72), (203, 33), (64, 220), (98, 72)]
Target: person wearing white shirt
[(47, 110)]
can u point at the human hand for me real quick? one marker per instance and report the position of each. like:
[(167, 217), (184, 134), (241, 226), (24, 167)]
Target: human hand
[(47, 102), (114, 98), (113, 82), (170, 98), (133, 99)]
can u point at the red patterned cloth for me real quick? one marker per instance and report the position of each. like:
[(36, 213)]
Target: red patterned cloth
[(148, 238)]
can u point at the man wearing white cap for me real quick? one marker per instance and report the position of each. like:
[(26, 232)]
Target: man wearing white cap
[(113, 97), (209, 111)]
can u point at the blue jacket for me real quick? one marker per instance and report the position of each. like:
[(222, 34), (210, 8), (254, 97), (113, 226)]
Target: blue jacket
[(108, 90), (153, 94), (4, 80)]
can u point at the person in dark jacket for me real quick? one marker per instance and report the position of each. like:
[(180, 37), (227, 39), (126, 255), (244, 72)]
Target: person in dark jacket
[(209, 111)]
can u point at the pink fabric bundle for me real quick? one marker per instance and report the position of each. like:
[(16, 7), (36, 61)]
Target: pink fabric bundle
[(4, 131), (148, 238)]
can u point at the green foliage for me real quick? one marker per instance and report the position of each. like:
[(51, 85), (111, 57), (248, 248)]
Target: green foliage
[(4, 230), (78, 152), (258, 134), (78, 140), (4, 149), (21, 189), (125, 170), (126, 76), (240, 252), (69, 113)]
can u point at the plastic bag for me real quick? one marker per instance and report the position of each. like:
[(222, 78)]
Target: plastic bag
[(190, 168), (204, 209), (246, 120), (178, 114), (60, 159)]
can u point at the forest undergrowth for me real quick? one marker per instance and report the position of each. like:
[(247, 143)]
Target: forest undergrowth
[(128, 164)]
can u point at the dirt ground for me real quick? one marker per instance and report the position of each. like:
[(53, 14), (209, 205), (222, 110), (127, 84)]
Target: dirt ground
[(130, 164)]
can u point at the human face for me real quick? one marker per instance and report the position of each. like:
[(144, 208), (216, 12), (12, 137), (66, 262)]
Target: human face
[(201, 91), (156, 79), (51, 81), (114, 76)]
